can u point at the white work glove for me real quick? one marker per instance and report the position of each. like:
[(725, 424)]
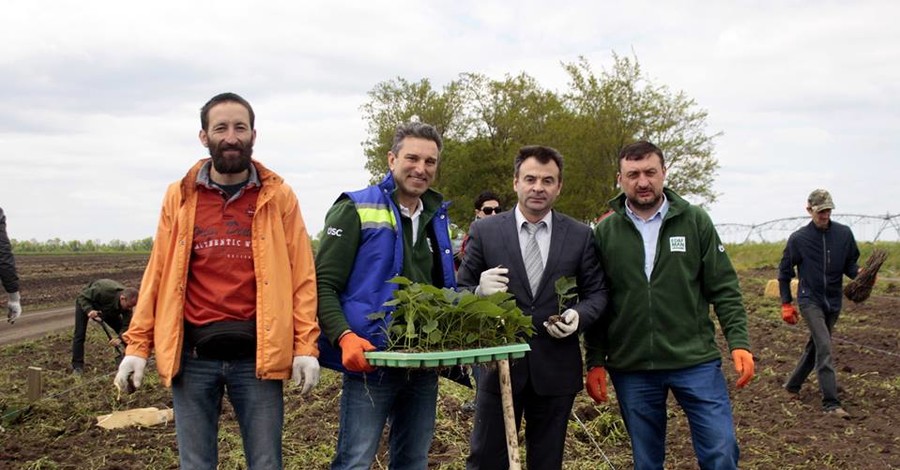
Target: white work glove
[(492, 281), (306, 372), (567, 324), (15, 307), (130, 365)]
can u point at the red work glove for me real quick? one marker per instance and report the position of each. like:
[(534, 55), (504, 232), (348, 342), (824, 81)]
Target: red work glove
[(789, 314), (352, 349), (595, 383), (743, 365)]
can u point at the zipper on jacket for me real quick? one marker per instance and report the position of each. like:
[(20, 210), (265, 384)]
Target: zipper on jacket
[(826, 260), (650, 319)]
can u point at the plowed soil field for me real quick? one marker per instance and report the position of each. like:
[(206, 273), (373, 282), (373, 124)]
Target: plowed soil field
[(776, 431)]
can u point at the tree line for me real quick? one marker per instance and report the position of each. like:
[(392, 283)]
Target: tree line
[(57, 245), (484, 121)]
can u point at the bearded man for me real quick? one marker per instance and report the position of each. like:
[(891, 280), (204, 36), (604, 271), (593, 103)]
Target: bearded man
[(228, 299)]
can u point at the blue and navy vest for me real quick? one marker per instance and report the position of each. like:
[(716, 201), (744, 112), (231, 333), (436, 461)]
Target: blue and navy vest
[(378, 259)]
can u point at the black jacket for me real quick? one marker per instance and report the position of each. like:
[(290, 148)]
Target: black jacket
[(7, 262), (553, 366), (822, 258)]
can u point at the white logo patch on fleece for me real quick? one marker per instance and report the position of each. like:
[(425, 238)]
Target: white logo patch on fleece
[(677, 244)]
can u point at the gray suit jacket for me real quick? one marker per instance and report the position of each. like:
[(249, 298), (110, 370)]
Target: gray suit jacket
[(553, 366)]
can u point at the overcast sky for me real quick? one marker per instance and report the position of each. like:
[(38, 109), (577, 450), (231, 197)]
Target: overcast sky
[(99, 100)]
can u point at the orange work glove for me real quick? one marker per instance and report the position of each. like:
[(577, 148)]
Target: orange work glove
[(595, 383), (789, 314), (743, 365), (352, 349)]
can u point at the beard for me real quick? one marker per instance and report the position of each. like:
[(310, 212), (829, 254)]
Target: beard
[(639, 205), (227, 165)]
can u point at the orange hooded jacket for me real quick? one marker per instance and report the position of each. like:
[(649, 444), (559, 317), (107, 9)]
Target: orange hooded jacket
[(286, 298)]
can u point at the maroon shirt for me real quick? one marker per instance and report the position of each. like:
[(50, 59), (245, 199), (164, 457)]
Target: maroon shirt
[(221, 280)]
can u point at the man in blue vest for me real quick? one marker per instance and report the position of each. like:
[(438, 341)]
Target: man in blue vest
[(397, 227)]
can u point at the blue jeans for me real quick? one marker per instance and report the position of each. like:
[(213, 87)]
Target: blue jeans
[(197, 395), (405, 398), (703, 395), (817, 354)]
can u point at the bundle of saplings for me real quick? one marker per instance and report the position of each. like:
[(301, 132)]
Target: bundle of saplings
[(860, 288)]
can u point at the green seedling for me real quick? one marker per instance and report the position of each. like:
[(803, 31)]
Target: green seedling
[(426, 318)]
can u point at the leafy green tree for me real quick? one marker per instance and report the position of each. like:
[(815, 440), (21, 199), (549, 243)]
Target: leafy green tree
[(621, 106), (502, 116), (484, 122), (398, 101)]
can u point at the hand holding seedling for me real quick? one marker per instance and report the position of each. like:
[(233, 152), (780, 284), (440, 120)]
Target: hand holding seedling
[(560, 326), (492, 281)]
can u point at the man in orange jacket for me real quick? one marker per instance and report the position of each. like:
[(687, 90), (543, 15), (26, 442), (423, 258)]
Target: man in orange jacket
[(228, 299)]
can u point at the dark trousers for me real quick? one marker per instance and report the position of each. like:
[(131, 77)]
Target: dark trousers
[(546, 421), (81, 323), (817, 355)]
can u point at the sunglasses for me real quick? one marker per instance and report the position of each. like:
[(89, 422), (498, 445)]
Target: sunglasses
[(491, 210)]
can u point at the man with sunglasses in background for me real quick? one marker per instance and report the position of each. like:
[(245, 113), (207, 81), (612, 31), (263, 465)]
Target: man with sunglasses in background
[(486, 205)]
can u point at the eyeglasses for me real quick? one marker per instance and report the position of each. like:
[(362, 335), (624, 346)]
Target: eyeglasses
[(490, 210)]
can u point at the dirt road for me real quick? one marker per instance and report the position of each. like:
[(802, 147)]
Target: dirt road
[(36, 324)]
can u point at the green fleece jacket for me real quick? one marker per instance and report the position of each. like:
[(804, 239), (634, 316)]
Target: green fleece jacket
[(665, 323), (103, 295)]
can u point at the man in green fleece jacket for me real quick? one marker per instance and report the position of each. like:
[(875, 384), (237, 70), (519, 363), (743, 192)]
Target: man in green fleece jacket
[(665, 266), (107, 300)]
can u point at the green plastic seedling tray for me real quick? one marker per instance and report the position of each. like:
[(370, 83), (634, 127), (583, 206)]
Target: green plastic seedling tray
[(446, 358)]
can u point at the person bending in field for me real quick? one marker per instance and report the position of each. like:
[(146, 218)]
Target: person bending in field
[(105, 300)]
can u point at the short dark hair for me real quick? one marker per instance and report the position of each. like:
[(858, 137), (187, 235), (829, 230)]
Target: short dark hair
[(639, 150), (542, 154), (130, 294), (225, 98), (416, 129), (485, 196)]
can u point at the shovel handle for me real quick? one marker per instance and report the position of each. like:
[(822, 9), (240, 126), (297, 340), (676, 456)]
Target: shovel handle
[(509, 421)]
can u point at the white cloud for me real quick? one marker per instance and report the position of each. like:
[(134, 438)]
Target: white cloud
[(99, 101)]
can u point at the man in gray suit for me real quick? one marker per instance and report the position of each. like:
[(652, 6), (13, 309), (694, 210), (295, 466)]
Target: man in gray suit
[(524, 251)]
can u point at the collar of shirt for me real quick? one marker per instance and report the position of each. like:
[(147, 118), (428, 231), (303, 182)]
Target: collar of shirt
[(413, 217), (661, 212), (520, 219), (542, 235), (203, 176), (649, 230)]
